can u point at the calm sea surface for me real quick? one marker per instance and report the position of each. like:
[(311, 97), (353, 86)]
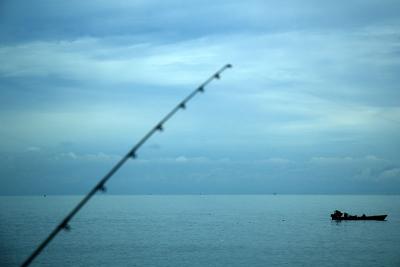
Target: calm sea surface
[(202, 230)]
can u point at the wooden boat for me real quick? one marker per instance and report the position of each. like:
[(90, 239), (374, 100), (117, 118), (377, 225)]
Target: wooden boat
[(337, 216)]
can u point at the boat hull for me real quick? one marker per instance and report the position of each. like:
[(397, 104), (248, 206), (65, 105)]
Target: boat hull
[(360, 218)]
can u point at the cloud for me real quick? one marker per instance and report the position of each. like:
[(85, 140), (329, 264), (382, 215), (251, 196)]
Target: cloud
[(180, 19), (33, 149), (369, 168), (94, 60), (276, 161), (379, 173), (100, 156), (68, 155), (184, 160), (311, 80), (181, 159), (182, 61), (392, 174), (346, 160), (204, 160), (295, 93)]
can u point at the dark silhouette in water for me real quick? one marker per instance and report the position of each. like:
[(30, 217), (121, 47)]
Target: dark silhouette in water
[(337, 216)]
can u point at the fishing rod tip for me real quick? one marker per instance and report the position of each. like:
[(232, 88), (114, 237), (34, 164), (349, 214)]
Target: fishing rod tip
[(229, 66)]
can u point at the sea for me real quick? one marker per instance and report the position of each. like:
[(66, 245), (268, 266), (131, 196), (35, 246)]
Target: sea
[(202, 230)]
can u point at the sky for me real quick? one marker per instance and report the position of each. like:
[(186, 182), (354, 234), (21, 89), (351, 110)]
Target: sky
[(311, 105)]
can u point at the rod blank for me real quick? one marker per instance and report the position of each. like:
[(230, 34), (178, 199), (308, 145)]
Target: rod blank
[(100, 186)]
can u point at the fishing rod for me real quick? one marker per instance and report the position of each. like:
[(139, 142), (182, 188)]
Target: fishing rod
[(100, 186)]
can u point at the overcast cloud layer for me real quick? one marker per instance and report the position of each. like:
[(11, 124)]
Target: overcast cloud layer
[(312, 104)]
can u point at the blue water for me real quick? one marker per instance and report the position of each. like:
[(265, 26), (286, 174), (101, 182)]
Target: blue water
[(202, 230)]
